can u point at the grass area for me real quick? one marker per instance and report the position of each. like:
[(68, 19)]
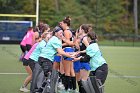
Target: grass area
[(119, 43), (122, 61), (9, 63), (123, 77)]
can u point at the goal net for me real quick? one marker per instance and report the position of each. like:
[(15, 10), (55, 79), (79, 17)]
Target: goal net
[(13, 30)]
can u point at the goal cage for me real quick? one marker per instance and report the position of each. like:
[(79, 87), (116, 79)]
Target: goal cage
[(14, 31)]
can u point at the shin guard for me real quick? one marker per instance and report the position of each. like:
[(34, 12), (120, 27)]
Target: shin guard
[(47, 85), (86, 86), (90, 86), (54, 79), (81, 88), (97, 85)]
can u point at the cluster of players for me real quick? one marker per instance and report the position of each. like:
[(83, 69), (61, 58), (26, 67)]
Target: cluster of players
[(59, 59)]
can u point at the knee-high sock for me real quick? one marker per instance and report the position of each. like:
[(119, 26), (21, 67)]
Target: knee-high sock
[(73, 82), (70, 84), (67, 82), (62, 78)]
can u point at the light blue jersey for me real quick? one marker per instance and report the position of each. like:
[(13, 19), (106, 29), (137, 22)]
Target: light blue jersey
[(96, 59), (50, 50), (35, 54)]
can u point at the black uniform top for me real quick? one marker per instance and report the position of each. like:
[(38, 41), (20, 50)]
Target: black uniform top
[(71, 39), (86, 58), (82, 46)]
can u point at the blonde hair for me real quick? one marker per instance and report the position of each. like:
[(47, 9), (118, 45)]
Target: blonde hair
[(44, 35)]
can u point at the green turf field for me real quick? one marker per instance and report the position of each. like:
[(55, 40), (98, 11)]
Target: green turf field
[(124, 69), (119, 43)]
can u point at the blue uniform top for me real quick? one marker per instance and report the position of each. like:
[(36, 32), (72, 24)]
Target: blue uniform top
[(50, 50), (96, 59), (35, 54)]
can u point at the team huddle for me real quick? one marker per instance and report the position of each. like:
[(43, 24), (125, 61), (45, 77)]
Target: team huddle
[(59, 59)]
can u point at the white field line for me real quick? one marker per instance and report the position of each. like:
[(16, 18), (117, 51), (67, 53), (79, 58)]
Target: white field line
[(125, 76), (13, 73), (110, 76)]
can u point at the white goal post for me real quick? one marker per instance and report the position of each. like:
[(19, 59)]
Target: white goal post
[(25, 15)]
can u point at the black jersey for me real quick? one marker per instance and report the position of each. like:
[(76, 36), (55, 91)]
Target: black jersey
[(71, 39), (82, 46)]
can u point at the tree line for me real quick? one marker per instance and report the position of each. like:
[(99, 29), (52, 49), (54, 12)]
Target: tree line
[(107, 16)]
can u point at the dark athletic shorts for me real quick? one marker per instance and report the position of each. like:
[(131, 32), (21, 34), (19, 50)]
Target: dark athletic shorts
[(25, 62), (100, 73), (23, 48), (31, 64), (28, 47)]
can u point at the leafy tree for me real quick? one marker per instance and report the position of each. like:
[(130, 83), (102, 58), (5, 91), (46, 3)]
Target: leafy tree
[(108, 16)]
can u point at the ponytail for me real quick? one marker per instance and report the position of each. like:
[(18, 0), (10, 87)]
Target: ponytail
[(67, 20)]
